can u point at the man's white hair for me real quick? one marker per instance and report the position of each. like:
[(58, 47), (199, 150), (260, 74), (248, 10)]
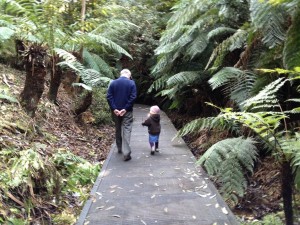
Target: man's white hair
[(126, 73)]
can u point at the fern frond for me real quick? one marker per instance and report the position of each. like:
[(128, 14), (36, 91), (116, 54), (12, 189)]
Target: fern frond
[(159, 83), (187, 11), (95, 62), (197, 46), (8, 98), (94, 78), (291, 51), (175, 45), (197, 125), (238, 83), (183, 78), (266, 97), (236, 41), (264, 124), (271, 20), (67, 56), (120, 24), (169, 92), (228, 160), (15, 8), (164, 64), (112, 45), (220, 31), (6, 33)]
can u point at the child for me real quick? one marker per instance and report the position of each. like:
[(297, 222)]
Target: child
[(153, 124)]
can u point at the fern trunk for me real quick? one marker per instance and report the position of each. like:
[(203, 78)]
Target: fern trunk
[(287, 192), (35, 78), (54, 83), (84, 104)]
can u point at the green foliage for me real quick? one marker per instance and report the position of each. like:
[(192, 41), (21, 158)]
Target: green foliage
[(291, 52), (6, 33), (76, 171), (183, 78), (239, 83), (266, 126), (270, 20), (96, 63), (25, 171), (229, 160), (106, 42), (236, 41), (90, 77), (220, 32), (266, 98), (197, 125), (100, 108), (64, 218), (192, 32), (36, 175), (5, 95), (270, 219)]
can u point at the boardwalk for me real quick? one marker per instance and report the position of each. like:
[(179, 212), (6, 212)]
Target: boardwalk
[(164, 189)]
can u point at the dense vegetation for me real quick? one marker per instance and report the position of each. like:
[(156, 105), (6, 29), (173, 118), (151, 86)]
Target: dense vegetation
[(231, 65)]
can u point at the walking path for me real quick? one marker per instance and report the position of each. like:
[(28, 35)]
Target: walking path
[(162, 189)]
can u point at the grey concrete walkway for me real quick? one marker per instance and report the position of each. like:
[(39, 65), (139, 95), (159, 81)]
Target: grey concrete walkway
[(161, 189)]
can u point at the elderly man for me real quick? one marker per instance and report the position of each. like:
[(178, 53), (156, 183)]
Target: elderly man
[(121, 95)]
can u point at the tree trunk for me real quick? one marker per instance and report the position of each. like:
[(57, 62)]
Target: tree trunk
[(85, 103), (56, 75), (35, 78), (287, 192), (83, 9)]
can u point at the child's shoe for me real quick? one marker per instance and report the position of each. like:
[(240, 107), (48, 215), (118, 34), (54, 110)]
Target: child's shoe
[(152, 150)]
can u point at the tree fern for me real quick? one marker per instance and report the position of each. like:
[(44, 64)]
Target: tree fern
[(163, 64), (183, 78), (6, 33), (94, 78), (291, 52), (182, 41), (95, 62), (270, 20), (220, 32), (197, 125), (197, 46), (236, 41), (159, 83), (169, 92), (90, 77), (65, 55), (229, 160), (108, 43), (238, 84), (266, 98), (187, 11)]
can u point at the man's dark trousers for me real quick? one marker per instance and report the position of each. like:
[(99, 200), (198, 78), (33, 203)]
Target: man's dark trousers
[(123, 128)]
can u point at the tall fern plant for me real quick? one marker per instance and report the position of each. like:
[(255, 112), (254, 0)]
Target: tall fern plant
[(188, 49), (263, 115)]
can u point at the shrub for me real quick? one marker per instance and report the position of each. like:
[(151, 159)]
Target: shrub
[(100, 108)]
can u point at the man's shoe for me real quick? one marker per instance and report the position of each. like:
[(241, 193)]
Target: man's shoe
[(127, 158), (119, 151), (157, 150)]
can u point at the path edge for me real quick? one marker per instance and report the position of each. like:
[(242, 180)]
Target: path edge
[(88, 203)]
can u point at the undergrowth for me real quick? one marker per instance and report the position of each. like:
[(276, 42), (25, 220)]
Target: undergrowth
[(43, 179)]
